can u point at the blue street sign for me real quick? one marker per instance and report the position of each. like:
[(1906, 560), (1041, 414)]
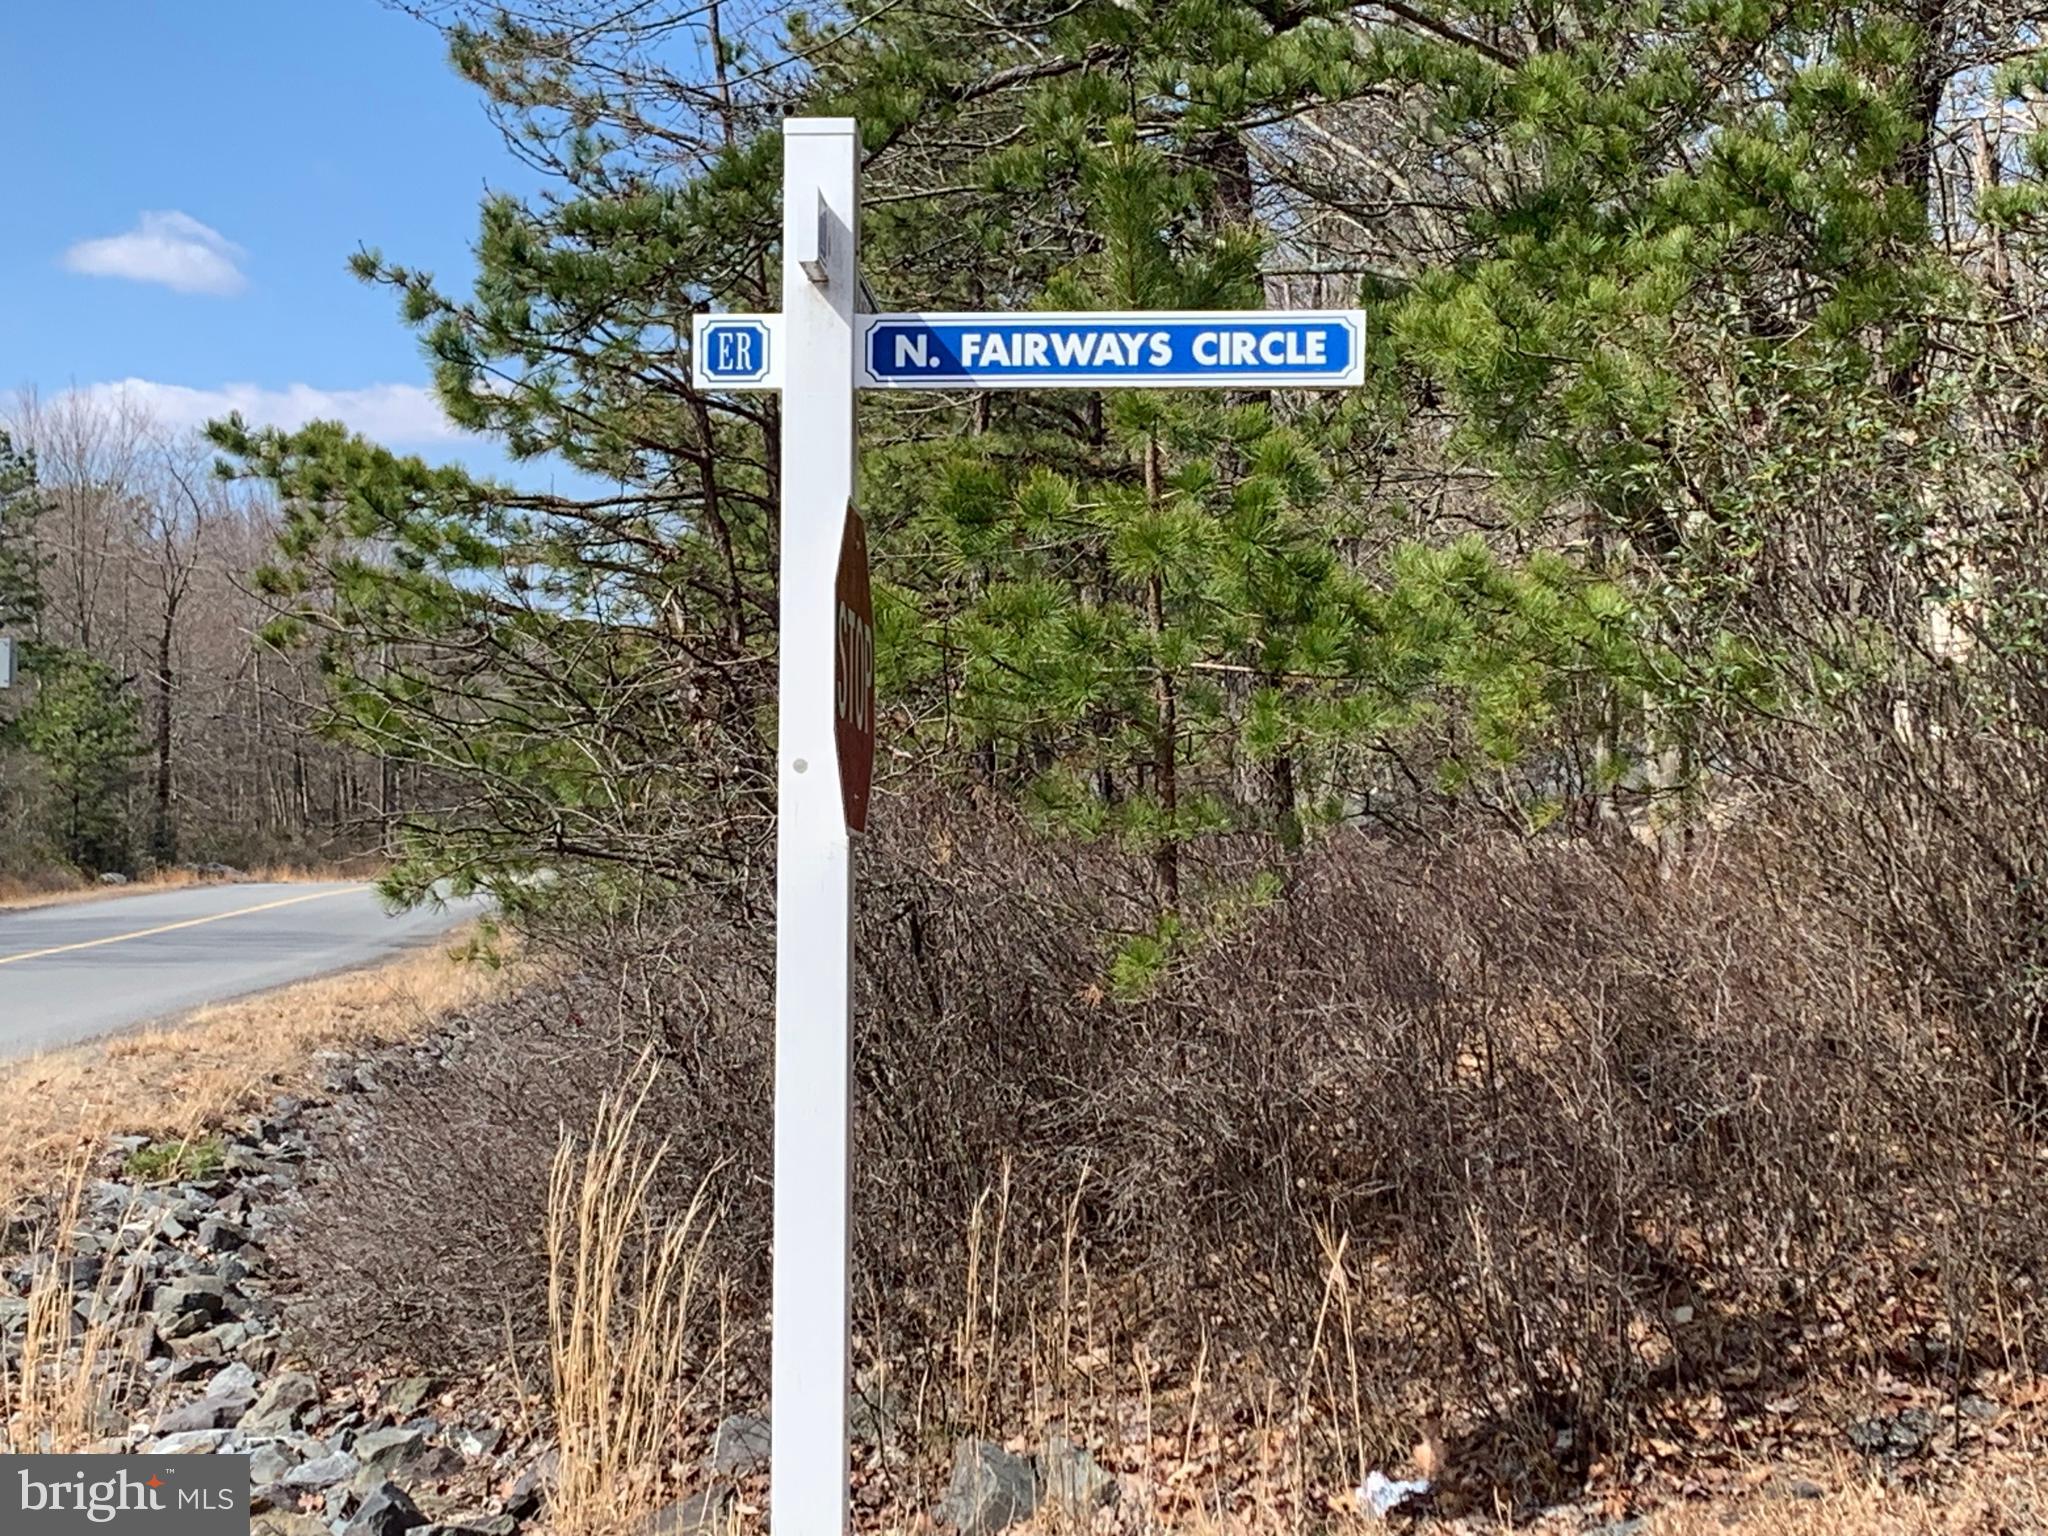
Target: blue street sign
[(735, 351), (1216, 349)]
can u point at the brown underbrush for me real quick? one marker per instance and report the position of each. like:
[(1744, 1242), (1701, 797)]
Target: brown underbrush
[(1575, 1155)]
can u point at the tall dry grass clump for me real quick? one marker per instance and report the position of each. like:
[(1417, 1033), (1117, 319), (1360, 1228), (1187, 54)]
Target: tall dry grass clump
[(623, 1288), (60, 1394)]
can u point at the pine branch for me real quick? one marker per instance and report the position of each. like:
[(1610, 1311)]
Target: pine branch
[(1448, 33)]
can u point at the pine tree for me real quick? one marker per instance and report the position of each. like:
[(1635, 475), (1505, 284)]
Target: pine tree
[(1142, 624), (84, 726), (1590, 238)]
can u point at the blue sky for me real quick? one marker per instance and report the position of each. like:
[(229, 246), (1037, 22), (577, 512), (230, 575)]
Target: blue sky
[(192, 177)]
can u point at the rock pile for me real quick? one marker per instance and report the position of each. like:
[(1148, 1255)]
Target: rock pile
[(166, 1261), (174, 1274)]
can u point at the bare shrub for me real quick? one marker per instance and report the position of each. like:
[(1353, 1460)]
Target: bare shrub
[(426, 1238), (1567, 1133)]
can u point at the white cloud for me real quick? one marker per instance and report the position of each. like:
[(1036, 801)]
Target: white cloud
[(171, 248), (393, 414)]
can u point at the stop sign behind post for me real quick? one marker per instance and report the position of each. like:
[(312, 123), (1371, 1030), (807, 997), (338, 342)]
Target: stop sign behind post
[(853, 672)]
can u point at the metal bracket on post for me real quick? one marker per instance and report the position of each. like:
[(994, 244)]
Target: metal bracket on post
[(812, 1367), (815, 254)]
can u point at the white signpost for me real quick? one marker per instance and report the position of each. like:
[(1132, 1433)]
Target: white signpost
[(818, 352)]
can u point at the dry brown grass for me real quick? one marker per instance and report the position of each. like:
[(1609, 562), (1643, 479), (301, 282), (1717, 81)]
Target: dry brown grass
[(18, 893), (2009, 1495), (622, 1295), (174, 1082), (2003, 1499), (58, 1394), (54, 889), (1219, 1445)]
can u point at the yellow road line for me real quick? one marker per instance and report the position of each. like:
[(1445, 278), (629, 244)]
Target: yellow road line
[(190, 922)]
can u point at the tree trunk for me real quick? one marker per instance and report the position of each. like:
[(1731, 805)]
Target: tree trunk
[(163, 837), (1166, 701)]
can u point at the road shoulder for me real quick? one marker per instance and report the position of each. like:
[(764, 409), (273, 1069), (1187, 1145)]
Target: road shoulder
[(177, 1080)]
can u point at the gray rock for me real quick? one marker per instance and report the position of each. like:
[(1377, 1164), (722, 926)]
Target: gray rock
[(1634, 1526), (876, 1407), (217, 1235), (1072, 1481), (701, 1514), (283, 1405), (531, 1487), (322, 1471), (1911, 1430), (740, 1444), (990, 1489), (197, 1442), (236, 1380), (479, 1442), (210, 1412), (435, 1464), (184, 1307), (143, 1342), (78, 1271), (385, 1450), (386, 1512), (405, 1397), (474, 1525), (246, 1161), (269, 1461), (205, 1346)]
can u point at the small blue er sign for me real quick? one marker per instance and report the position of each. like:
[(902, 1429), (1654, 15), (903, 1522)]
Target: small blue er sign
[(733, 351)]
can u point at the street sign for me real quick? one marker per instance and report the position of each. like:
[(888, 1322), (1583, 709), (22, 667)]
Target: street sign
[(1131, 349), (736, 352), (822, 348), (853, 673), (1199, 349)]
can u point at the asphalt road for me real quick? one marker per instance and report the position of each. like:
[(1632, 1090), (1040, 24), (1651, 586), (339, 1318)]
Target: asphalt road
[(68, 973)]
